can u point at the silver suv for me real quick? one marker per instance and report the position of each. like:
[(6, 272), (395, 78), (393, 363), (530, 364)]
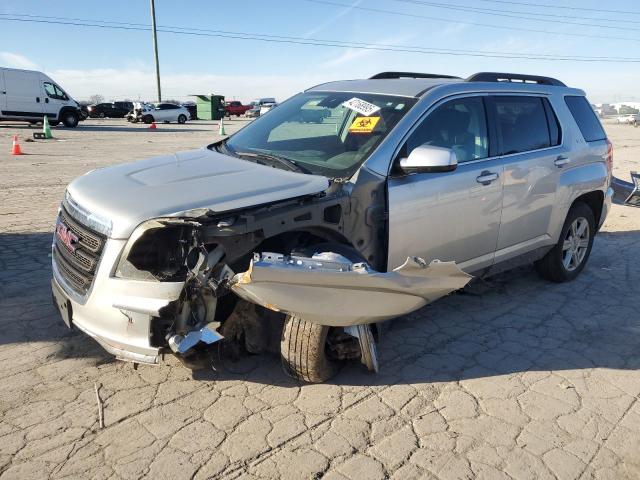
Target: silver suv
[(351, 203)]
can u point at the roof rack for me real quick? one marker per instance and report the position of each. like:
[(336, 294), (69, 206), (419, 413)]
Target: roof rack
[(513, 77), (387, 75)]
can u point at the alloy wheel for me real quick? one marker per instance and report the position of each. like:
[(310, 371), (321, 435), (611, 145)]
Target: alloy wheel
[(576, 244)]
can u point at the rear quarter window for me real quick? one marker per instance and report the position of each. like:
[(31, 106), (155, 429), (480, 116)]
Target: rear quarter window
[(586, 118)]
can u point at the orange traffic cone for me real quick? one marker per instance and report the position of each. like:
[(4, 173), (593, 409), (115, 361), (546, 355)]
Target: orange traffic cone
[(153, 126), (15, 149)]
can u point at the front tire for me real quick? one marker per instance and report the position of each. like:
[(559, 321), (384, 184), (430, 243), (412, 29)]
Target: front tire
[(303, 353), (147, 119), (70, 119), (567, 259), (182, 119)]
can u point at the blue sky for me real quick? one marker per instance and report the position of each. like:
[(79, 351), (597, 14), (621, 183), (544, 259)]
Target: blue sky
[(119, 63)]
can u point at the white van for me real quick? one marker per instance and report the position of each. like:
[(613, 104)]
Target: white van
[(28, 95)]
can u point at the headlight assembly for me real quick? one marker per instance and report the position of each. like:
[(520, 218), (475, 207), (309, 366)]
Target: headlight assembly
[(156, 251)]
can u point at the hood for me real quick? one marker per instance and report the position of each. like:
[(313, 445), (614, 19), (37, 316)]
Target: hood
[(173, 185)]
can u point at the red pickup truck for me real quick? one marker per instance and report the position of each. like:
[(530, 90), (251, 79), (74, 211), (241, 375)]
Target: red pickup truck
[(236, 108)]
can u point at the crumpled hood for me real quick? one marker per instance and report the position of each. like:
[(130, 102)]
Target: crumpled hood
[(171, 185)]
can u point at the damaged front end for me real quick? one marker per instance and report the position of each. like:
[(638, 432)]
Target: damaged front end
[(183, 284), (324, 288)]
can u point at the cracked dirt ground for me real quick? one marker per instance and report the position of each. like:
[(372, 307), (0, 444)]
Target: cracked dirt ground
[(522, 379)]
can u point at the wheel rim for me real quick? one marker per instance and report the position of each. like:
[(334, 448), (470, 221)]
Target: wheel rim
[(576, 243)]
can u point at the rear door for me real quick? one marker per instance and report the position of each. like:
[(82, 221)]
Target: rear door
[(24, 97), (451, 215), (3, 93), (530, 145)]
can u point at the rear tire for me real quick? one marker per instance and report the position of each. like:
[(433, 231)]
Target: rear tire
[(147, 119), (302, 349), (568, 257)]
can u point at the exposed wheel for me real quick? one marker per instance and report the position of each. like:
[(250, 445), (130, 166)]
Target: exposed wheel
[(101, 115), (70, 119), (147, 119), (182, 118), (567, 259), (303, 351)]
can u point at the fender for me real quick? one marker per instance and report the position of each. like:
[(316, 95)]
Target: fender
[(572, 184)]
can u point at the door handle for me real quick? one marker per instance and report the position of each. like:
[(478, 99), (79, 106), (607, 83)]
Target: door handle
[(561, 161), (37, 99), (486, 177)]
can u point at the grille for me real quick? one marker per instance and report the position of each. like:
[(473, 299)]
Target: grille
[(77, 266)]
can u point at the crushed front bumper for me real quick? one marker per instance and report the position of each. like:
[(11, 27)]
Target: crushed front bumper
[(117, 312)]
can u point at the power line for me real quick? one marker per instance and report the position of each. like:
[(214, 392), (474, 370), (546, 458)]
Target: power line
[(318, 42), (466, 22), (562, 7), (563, 16), (512, 14)]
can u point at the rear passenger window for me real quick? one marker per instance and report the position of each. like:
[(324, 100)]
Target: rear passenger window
[(586, 119), (522, 124), (460, 125)]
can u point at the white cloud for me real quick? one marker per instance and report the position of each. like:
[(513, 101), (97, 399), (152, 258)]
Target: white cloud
[(15, 60), (331, 20), (349, 55)]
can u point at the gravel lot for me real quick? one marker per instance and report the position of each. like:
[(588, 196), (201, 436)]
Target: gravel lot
[(523, 379)]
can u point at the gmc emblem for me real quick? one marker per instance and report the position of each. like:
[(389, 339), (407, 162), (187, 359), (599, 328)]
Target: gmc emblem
[(66, 236)]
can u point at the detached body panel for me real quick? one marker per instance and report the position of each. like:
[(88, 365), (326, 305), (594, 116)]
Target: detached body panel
[(340, 293)]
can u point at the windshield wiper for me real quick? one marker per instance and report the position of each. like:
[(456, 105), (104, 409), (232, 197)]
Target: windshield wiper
[(292, 165)]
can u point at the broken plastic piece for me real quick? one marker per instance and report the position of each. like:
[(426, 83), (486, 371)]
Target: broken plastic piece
[(182, 344), (340, 293), (368, 349), (628, 192)]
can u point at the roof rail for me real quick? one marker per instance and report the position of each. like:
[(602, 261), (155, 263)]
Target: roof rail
[(513, 77), (387, 75)]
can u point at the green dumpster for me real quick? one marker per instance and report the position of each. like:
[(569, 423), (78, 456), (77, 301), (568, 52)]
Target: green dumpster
[(210, 107)]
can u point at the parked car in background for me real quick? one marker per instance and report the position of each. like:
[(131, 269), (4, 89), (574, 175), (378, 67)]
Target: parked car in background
[(236, 108), (28, 95), (108, 110), (126, 105), (631, 119), (253, 112), (302, 237), (265, 107), (165, 112), (192, 108)]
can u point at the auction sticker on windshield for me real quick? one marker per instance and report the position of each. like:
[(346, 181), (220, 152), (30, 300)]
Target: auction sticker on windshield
[(363, 124), (361, 106)]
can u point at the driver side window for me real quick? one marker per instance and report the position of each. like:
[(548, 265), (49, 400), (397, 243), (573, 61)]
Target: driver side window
[(53, 91), (460, 125)]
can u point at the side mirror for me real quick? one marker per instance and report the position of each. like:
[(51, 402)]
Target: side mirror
[(429, 159)]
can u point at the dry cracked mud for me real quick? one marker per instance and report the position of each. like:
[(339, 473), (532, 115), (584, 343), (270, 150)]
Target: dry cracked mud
[(518, 379)]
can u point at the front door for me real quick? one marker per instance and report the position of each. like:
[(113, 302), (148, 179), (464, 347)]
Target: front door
[(450, 215), (24, 94), (54, 99)]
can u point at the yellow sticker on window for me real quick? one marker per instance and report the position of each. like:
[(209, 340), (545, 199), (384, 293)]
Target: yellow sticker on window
[(363, 124)]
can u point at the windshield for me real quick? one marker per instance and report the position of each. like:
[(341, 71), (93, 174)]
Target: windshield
[(325, 133)]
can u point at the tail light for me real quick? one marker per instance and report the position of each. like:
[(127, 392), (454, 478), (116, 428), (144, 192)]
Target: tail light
[(609, 157)]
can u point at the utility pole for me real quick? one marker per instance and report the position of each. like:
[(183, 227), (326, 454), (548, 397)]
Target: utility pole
[(155, 47)]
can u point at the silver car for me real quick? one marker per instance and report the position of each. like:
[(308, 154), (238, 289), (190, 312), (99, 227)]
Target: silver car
[(302, 232)]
